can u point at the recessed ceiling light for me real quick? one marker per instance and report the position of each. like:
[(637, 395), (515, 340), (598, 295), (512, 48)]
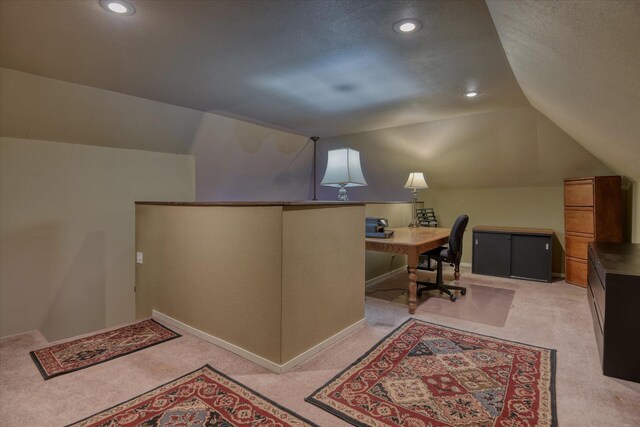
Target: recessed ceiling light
[(472, 94), (407, 26), (120, 7)]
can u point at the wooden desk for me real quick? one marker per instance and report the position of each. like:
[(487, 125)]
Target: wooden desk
[(411, 242)]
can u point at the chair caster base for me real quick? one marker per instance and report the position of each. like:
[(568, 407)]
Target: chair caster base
[(428, 286)]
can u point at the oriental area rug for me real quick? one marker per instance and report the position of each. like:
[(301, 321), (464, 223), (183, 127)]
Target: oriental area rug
[(204, 397), (84, 352), (423, 374)]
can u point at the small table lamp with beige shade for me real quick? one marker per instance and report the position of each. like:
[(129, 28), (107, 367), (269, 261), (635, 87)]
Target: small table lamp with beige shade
[(415, 182)]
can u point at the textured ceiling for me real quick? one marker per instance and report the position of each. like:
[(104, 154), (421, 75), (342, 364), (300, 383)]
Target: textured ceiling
[(312, 67), (578, 62)]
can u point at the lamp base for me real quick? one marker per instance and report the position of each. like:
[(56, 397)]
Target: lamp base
[(342, 194), (414, 199)]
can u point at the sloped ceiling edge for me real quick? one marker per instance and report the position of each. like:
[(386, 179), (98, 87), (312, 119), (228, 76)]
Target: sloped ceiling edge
[(577, 63)]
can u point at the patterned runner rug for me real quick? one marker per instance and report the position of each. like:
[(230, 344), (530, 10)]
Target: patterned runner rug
[(82, 353), (204, 397), (424, 374)]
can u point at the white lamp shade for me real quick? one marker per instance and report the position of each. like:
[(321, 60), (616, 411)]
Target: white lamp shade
[(416, 181), (343, 169)]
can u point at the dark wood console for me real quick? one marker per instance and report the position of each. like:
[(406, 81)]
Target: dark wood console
[(614, 298)]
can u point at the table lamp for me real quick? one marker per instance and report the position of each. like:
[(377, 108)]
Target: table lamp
[(415, 182), (343, 170)]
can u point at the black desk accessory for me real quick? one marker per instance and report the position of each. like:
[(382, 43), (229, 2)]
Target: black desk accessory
[(375, 227)]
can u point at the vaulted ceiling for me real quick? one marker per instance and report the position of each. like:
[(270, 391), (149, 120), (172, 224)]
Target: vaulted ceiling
[(334, 67), (323, 67), (578, 63)]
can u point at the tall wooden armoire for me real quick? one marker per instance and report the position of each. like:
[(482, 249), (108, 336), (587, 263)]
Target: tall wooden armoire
[(592, 212)]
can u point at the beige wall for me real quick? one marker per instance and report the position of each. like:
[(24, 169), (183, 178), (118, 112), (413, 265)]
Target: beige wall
[(235, 160), (510, 148), (73, 215), (67, 231), (504, 168), (36, 107), (535, 207), (272, 280), (217, 269), (322, 274)]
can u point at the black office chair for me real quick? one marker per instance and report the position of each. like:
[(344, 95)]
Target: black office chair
[(451, 255)]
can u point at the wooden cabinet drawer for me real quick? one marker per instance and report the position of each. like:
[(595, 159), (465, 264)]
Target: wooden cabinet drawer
[(579, 193), (576, 271), (579, 220), (576, 246)]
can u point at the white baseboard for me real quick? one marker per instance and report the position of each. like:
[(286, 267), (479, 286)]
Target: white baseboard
[(259, 360), (321, 346), (375, 280)]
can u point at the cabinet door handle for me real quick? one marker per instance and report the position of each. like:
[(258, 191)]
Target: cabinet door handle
[(546, 246), (476, 241)]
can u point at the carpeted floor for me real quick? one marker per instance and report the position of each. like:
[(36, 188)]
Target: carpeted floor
[(482, 304), (552, 315)]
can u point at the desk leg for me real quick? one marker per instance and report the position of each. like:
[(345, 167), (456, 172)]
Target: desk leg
[(413, 288)]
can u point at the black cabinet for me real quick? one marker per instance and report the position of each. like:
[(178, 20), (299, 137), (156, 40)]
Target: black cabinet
[(492, 254), (614, 299), (522, 253)]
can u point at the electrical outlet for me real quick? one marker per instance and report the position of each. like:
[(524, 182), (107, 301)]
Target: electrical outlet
[(139, 257)]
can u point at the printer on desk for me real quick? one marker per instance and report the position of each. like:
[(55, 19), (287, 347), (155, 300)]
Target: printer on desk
[(375, 227)]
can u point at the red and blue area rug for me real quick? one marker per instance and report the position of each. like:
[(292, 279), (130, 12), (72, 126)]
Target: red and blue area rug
[(84, 352), (204, 397), (426, 375)]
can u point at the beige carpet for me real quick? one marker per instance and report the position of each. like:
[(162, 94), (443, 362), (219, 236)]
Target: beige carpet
[(481, 304), (552, 315)]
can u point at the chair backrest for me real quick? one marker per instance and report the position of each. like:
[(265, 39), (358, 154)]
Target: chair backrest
[(455, 238)]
